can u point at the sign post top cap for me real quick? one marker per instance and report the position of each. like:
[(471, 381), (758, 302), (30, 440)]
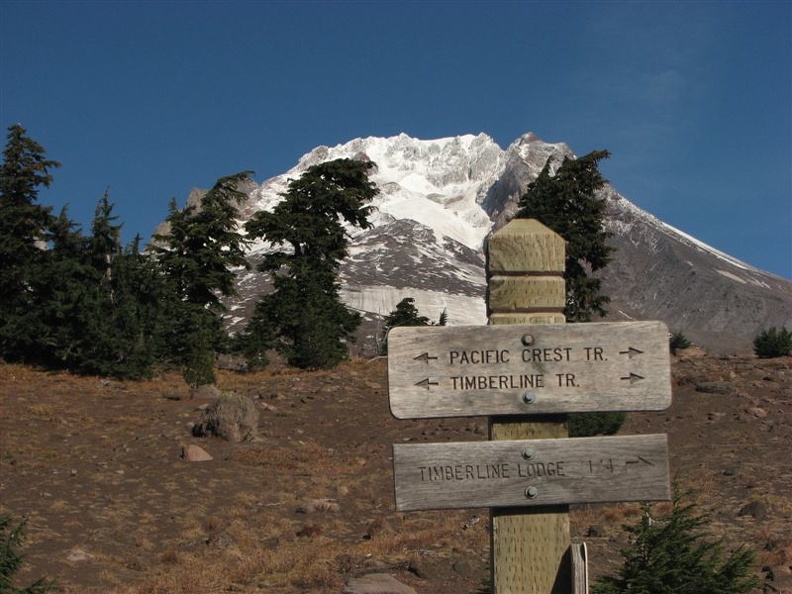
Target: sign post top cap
[(525, 245), (524, 226)]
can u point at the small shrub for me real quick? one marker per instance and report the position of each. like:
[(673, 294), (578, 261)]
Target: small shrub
[(670, 555), (773, 343), (11, 538), (596, 423), (678, 341)]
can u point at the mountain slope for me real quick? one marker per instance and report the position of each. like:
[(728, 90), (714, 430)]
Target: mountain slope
[(440, 198)]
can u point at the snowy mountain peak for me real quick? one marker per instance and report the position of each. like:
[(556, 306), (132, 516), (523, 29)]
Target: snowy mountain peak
[(438, 201), (435, 183)]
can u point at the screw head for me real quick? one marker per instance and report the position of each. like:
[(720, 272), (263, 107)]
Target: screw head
[(528, 453), (531, 492), (529, 398), (527, 340)]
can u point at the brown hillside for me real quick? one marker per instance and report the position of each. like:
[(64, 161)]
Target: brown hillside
[(95, 466)]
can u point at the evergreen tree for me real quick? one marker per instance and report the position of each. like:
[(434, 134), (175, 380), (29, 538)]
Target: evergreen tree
[(405, 314), (11, 538), (304, 313), (23, 224), (567, 203), (59, 285), (773, 342), (671, 555), (65, 287), (198, 256), (678, 341), (139, 308), (104, 244), (120, 313)]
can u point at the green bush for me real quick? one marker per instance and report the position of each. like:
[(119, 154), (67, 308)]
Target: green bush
[(670, 555), (596, 423), (677, 342), (773, 343), (11, 538)]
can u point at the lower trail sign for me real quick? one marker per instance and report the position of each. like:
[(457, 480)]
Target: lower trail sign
[(530, 472)]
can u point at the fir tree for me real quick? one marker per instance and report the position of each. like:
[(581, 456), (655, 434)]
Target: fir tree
[(304, 313), (139, 308), (121, 312), (671, 555), (773, 342), (567, 203), (11, 538), (61, 287), (405, 314), (23, 225), (104, 244), (198, 256)]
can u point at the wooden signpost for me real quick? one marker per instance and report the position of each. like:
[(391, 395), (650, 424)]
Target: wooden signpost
[(525, 372)]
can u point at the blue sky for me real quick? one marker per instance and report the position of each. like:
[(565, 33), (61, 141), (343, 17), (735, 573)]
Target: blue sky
[(150, 99)]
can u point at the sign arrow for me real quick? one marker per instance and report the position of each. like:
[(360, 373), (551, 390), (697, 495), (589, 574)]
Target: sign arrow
[(424, 357), (639, 460), (633, 377), (631, 352), (426, 382)]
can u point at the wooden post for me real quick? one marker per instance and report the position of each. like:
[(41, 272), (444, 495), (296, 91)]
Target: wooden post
[(530, 546), (579, 568)]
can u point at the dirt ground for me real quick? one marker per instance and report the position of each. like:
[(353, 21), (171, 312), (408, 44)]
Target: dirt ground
[(95, 466)]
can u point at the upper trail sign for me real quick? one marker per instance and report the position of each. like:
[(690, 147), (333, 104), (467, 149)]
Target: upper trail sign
[(528, 369)]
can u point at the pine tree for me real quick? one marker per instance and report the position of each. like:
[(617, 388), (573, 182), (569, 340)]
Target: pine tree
[(121, 311), (405, 314), (671, 555), (62, 286), (11, 538), (304, 314), (198, 256), (139, 308), (567, 203), (23, 225)]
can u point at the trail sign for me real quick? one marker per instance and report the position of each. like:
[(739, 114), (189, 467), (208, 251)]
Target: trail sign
[(524, 473), (446, 371)]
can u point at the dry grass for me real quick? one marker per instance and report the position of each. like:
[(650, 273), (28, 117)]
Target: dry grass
[(95, 466)]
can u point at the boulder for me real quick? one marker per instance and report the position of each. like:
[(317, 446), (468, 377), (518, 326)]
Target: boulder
[(232, 417)]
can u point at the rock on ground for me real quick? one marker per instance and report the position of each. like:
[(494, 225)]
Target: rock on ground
[(194, 453), (377, 583), (233, 417)]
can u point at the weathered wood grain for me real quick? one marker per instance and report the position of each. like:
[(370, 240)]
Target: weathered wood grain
[(491, 370), (531, 473), (579, 555), (528, 552)]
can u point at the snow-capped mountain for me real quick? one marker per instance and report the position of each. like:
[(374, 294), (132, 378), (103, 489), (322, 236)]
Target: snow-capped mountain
[(438, 201)]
